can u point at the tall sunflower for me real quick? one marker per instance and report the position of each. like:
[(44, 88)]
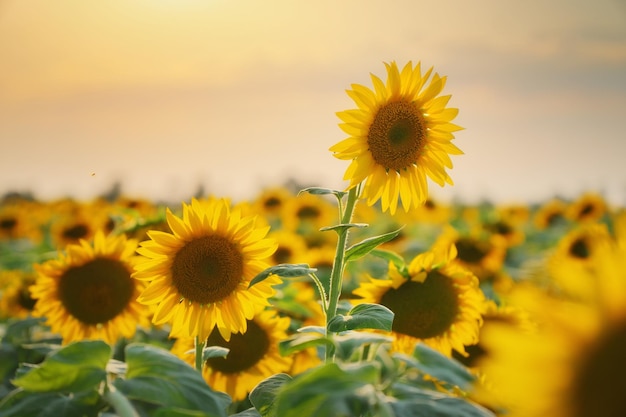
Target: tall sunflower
[(436, 301), (199, 275), (253, 355), (88, 292), (400, 134)]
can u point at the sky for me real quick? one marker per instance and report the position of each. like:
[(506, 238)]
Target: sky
[(167, 96)]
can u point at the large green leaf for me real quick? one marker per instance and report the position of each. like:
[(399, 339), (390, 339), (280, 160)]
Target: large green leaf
[(363, 316), (431, 362), (329, 390), (349, 342), (156, 376), (79, 366), (283, 270), (415, 402), (48, 404), (263, 396), (301, 341), (364, 247)]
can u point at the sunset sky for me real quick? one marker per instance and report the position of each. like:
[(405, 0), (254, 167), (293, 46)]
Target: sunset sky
[(235, 95)]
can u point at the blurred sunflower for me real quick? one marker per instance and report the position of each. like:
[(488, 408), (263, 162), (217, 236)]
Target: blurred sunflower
[(199, 275), (15, 300), (574, 365), (270, 202), (21, 219), (589, 207), (88, 292), (253, 355), (76, 221), (400, 134), (437, 302), (305, 214), (571, 264), (291, 247), (550, 214), (483, 254)]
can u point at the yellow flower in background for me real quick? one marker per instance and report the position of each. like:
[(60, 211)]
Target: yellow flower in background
[(439, 303), (253, 355), (400, 134), (571, 264), (589, 207), (199, 275), (88, 292), (550, 213), (15, 299)]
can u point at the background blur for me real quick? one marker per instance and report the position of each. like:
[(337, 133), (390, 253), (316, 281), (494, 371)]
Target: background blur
[(166, 96)]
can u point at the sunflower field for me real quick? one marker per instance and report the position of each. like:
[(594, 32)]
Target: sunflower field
[(375, 300)]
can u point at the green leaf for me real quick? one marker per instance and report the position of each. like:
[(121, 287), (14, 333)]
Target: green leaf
[(329, 390), (363, 316), (283, 270), (21, 403), (79, 366), (390, 256), (364, 247), (263, 396), (411, 401), (214, 352), (347, 343), (250, 412), (444, 369), (179, 412), (341, 227), (301, 341), (323, 191), (158, 377)]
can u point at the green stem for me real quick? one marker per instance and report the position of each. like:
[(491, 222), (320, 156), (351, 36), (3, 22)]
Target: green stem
[(336, 275), (199, 351), (121, 404)]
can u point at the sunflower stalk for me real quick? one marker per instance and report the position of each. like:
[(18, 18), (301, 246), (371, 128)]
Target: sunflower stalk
[(336, 275), (119, 402), (199, 349)]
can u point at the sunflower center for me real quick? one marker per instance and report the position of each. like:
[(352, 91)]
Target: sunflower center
[(308, 213), (282, 255), (397, 135), (208, 269), (246, 349), (579, 249), (8, 224), (76, 232), (423, 309), (96, 291), (598, 388), (470, 250), (25, 300), (272, 203)]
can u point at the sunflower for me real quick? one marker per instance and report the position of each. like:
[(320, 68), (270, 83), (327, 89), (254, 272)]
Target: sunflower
[(75, 221), (550, 214), (88, 292), (21, 219), (400, 134), (573, 365), (437, 302), (305, 214), (571, 264), (199, 275), (483, 254), (253, 355), (589, 207), (14, 287)]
